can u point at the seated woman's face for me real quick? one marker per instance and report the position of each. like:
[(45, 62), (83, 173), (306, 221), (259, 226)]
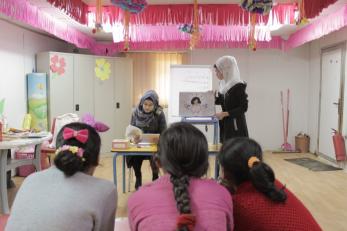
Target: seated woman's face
[(148, 106)]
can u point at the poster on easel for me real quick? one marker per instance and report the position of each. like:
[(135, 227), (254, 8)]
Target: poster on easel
[(37, 100), (187, 78)]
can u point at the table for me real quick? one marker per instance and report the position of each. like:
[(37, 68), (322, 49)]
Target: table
[(5, 165), (148, 151)]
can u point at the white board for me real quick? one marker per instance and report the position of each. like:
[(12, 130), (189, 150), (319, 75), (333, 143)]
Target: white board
[(186, 78)]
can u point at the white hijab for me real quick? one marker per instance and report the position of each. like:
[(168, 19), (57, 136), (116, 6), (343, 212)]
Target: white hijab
[(227, 65)]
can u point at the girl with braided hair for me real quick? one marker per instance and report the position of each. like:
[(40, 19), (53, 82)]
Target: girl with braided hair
[(181, 200), (258, 197)]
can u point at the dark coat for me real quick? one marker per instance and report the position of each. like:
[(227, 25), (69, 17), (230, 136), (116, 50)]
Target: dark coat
[(235, 102)]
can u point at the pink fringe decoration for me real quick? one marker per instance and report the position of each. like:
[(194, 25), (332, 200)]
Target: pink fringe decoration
[(100, 49), (208, 33), (76, 9), (313, 8), (318, 29), (23, 11), (216, 14)]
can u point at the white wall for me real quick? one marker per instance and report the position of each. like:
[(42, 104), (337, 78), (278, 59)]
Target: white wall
[(267, 72), (18, 47), (314, 83)]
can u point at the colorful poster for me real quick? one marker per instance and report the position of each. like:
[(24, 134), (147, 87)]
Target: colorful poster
[(37, 100), (2, 106)]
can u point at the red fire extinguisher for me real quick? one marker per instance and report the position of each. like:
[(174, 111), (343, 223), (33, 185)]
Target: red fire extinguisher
[(339, 145)]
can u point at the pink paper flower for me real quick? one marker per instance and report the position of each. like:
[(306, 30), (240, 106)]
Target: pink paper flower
[(58, 65)]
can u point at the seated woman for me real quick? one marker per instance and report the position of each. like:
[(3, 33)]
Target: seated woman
[(181, 200), (66, 196), (260, 202), (150, 118)]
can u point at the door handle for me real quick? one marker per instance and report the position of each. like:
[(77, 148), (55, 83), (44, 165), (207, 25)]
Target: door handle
[(336, 104)]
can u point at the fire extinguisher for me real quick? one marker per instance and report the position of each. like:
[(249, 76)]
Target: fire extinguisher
[(339, 145)]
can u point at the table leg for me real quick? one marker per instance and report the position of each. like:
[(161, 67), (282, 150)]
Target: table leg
[(115, 169), (123, 174), (37, 157), (3, 183)]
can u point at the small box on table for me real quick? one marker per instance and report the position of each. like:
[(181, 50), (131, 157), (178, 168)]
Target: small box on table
[(120, 144)]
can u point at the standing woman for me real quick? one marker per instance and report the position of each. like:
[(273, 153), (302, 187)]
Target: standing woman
[(150, 118), (233, 98)]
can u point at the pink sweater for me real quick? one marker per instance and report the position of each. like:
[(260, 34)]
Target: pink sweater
[(153, 207)]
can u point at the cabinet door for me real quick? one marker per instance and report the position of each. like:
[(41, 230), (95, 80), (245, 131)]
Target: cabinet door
[(104, 107), (123, 94), (84, 84), (60, 84)]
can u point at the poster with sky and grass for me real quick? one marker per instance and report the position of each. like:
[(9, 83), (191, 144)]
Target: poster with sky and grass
[(37, 100)]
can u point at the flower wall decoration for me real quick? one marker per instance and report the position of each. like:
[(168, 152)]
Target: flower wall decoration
[(57, 65), (102, 69)]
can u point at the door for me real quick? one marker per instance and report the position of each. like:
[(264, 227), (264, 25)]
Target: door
[(83, 84), (104, 107), (330, 99), (123, 95), (60, 84)]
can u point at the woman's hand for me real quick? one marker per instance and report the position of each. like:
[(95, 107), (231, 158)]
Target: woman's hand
[(221, 115), (136, 139)]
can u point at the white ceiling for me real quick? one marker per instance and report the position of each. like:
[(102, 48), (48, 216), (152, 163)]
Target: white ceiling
[(165, 2)]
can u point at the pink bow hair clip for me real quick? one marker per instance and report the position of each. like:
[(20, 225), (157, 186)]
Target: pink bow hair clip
[(98, 126), (81, 135)]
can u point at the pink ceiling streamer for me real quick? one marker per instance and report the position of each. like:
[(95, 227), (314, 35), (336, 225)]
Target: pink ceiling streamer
[(23, 11), (209, 33), (318, 28), (216, 14)]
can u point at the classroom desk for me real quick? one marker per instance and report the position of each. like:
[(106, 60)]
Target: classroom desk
[(147, 151), (5, 165)]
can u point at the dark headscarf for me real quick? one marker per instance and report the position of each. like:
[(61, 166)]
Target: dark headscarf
[(143, 119)]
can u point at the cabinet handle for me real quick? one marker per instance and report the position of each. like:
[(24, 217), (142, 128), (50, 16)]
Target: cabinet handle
[(77, 107)]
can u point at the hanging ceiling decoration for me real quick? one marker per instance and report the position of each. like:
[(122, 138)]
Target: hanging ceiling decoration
[(262, 7), (129, 6), (254, 7), (195, 37), (98, 17), (155, 28)]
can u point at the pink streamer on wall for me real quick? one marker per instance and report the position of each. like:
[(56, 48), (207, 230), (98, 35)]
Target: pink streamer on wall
[(318, 28)]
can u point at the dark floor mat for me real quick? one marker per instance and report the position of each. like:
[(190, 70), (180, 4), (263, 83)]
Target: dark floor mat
[(312, 165)]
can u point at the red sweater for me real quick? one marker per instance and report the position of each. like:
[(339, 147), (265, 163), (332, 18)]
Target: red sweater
[(254, 211)]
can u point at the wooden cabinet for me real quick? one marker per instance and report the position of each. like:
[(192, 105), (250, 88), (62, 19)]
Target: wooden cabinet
[(74, 86)]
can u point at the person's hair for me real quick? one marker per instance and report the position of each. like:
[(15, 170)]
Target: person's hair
[(183, 153), (68, 161), (235, 156), (195, 98)]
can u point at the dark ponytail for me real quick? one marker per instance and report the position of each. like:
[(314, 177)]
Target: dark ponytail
[(263, 179), (183, 153), (67, 159), (234, 158)]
